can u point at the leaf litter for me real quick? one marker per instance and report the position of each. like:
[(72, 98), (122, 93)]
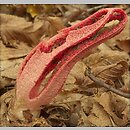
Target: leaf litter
[(82, 102)]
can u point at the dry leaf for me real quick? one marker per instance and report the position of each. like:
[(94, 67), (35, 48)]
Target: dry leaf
[(6, 82), (78, 71), (70, 79), (37, 122), (14, 55), (124, 45), (5, 101), (6, 9), (7, 119), (49, 8), (126, 82), (65, 97), (34, 10), (10, 60), (99, 116), (16, 9), (114, 105), (74, 119), (73, 12), (50, 25), (17, 28), (123, 39), (19, 51), (105, 57), (57, 115), (87, 105), (111, 72), (108, 65), (27, 115), (83, 120), (70, 87), (9, 69)]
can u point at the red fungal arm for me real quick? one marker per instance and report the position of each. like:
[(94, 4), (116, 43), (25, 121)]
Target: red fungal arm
[(74, 43)]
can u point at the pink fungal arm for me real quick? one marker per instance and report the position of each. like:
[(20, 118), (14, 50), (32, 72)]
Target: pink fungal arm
[(61, 53)]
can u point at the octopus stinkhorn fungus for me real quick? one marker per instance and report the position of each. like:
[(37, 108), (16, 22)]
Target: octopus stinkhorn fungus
[(59, 54)]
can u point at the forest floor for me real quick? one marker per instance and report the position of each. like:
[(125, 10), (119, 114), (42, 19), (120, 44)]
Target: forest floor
[(82, 102)]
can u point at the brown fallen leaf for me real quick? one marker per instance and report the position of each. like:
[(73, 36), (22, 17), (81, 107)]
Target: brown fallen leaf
[(74, 119), (6, 82), (70, 88), (7, 119), (114, 105), (123, 39), (83, 120), (99, 116), (8, 70), (79, 105), (19, 51), (108, 65), (58, 115), (70, 79), (105, 57), (50, 25), (65, 97), (27, 115), (15, 9), (87, 105), (73, 12), (124, 45), (112, 71), (10, 59), (49, 8), (78, 71), (37, 122), (5, 100), (13, 54), (126, 82), (119, 105), (34, 10), (17, 28)]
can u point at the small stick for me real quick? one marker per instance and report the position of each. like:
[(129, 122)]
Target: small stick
[(86, 13), (103, 84)]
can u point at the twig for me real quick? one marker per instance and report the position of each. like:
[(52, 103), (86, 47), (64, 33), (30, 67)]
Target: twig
[(85, 13), (103, 84)]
